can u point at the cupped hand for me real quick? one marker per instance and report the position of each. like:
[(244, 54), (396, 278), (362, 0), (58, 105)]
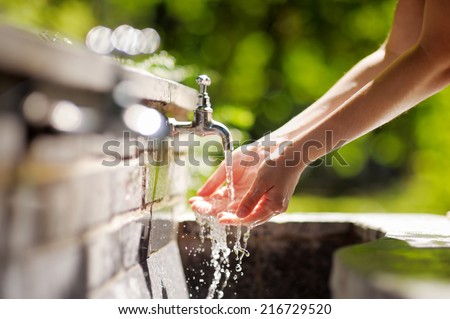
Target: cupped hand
[(263, 186)]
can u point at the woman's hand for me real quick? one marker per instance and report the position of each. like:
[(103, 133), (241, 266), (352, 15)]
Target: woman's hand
[(213, 196), (263, 186)]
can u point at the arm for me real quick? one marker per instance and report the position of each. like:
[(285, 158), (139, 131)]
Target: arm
[(404, 34), (409, 67), (415, 75)]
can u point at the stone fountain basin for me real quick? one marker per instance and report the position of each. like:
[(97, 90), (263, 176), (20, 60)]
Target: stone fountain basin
[(338, 255)]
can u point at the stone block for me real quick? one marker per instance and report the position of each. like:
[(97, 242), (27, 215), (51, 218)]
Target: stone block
[(103, 257), (12, 140), (126, 186), (163, 231), (130, 242), (393, 268), (96, 201), (12, 145), (46, 212), (26, 222), (71, 206), (346, 284), (3, 226), (130, 285), (67, 149), (118, 148), (166, 278), (56, 271)]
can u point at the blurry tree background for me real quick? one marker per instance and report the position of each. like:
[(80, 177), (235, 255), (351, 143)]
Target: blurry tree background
[(269, 60)]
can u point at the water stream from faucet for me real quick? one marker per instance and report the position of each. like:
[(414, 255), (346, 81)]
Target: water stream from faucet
[(229, 176), (239, 249), (224, 239)]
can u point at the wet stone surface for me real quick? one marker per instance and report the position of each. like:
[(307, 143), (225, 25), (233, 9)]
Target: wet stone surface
[(130, 284), (130, 240)]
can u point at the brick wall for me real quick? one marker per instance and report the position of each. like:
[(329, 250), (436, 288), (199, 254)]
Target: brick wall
[(72, 227), (69, 225)]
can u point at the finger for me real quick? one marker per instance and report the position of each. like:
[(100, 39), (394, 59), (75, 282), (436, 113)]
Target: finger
[(202, 207), (221, 193), (195, 198), (209, 205), (251, 199), (254, 219), (228, 218), (262, 213), (213, 182)]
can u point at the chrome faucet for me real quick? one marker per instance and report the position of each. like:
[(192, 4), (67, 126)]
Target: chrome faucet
[(203, 124)]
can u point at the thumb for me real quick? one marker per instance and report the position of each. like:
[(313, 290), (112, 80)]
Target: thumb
[(214, 182), (250, 199)]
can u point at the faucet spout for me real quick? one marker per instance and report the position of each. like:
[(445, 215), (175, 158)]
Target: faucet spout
[(220, 129), (203, 123)]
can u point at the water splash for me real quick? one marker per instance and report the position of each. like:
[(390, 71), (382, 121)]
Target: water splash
[(219, 235), (211, 229), (221, 248), (240, 250)]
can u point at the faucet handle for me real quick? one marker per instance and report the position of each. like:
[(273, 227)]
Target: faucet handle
[(204, 81), (203, 98)]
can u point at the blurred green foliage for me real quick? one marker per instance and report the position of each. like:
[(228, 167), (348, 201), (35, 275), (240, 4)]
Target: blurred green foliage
[(269, 60)]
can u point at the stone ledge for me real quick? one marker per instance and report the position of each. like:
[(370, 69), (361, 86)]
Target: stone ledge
[(413, 254), (397, 255), (390, 267), (165, 91), (77, 67), (103, 258)]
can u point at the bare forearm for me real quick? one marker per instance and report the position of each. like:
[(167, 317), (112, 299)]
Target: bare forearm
[(362, 73), (410, 79)]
